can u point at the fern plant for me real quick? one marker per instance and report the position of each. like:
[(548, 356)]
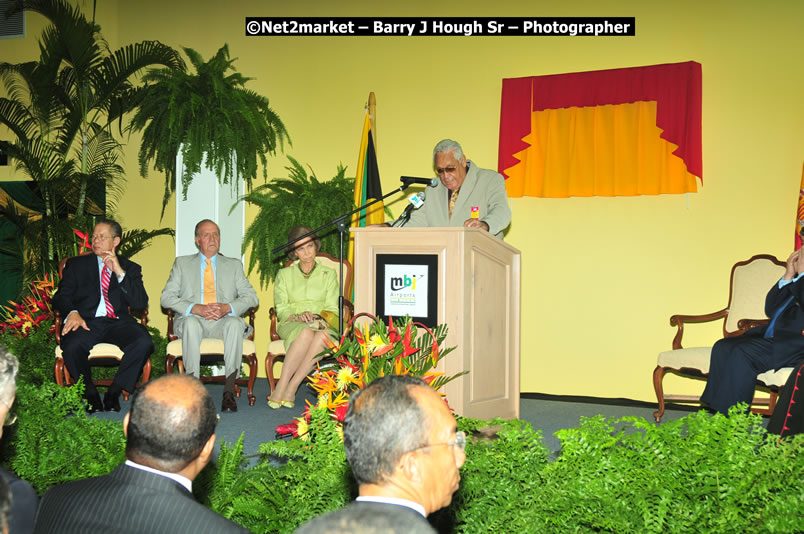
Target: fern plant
[(54, 441), (287, 202), (207, 114)]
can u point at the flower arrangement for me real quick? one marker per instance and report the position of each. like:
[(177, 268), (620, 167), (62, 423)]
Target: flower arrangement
[(20, 318), (368, 350)]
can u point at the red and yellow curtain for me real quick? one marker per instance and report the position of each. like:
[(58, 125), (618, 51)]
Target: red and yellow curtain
[(634, 131)]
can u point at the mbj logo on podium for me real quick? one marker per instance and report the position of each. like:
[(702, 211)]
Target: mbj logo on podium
[(405, 290), (404, 281)]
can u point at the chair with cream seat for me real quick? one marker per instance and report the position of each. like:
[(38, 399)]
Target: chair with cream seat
[(212, 354), (750, 281)]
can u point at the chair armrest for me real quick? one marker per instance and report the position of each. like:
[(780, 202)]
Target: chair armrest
[(57, 325), (679, 320), (250, 313), (348, 311), (142, 312), (170, 335), (744, 325), (274, 334)]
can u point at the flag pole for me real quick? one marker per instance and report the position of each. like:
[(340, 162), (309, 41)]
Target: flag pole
[(372, 111)]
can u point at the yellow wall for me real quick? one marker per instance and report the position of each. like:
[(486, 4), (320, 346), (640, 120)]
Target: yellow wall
[(601, 276)]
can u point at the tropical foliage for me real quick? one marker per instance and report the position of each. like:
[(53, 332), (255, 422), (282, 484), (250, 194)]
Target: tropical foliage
[(62, 110), (209, 115), (300, 199)]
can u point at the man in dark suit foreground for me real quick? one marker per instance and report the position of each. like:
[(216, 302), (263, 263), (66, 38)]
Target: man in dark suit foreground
[(404, 450), (170, 433), (95, 293), (737, 361)]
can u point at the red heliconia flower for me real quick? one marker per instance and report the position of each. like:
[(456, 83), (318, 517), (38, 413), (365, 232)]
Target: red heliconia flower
[(406, 343), (290, 429), (343, 361), (340, 412), (359, 337), (383, 350), (393, 335), (85, 237)]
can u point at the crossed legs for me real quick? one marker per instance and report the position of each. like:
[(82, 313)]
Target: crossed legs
[(299, 361)]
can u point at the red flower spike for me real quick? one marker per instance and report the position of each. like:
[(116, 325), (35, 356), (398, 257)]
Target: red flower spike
[(84, 237), (290, 429), (340, 412)]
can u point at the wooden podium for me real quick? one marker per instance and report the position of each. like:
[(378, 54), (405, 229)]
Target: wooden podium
[(478, 296)]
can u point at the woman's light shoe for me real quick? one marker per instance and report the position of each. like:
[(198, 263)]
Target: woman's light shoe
[(274, 405), (288, 404)]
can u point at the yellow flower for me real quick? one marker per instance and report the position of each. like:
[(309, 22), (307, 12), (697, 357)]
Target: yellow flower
[(302, 428), (344, 377)]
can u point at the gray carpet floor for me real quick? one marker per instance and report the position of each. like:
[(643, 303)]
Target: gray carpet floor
[(258, 423)]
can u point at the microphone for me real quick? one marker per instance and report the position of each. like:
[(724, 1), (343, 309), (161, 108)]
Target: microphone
[(415, 202), (407, 180)]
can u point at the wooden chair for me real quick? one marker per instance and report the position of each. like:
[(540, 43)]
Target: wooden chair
[(212, 354), (101, 355), (276, 349), (750, 281)]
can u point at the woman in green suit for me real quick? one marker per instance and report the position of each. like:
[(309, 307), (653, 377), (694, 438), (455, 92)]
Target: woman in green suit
[(306, 302)]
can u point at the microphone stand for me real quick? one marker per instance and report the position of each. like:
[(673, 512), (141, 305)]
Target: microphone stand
[(340, 222)]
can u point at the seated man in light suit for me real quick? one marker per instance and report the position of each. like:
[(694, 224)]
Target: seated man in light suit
[(170, 436), (404, 450), (209, 293), (466, 195)]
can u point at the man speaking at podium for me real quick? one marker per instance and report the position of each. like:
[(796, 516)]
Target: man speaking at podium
[(466, 195)]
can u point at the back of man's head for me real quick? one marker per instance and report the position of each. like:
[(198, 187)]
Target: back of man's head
[(8, 375), (384, 421), (170, 421)]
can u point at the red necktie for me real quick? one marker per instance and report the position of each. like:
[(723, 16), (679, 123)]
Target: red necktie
[(105, 277)]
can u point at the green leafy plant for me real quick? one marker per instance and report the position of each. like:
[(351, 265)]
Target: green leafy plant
[(54, 441), (313, 479), (209, 115), (287, 202)]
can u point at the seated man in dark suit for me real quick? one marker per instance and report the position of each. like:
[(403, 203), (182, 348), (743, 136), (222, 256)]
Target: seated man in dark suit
[(404, 450), (95, 293), (22, 508), (736, 361), (170, 434)]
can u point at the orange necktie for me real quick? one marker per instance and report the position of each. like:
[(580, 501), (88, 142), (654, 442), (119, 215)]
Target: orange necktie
[(209, 283)]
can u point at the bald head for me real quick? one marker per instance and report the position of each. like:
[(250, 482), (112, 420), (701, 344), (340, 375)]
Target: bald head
[(170, 422)]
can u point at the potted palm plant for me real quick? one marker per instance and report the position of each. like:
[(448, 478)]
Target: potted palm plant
[(61, 110)]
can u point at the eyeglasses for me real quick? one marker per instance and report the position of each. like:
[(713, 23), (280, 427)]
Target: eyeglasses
[(100, 237), (460, 443), (448, 170), (10, 418)]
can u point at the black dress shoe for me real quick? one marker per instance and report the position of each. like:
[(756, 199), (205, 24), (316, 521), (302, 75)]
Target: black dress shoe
[(229, 403), (94, 403), (111, 402)]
